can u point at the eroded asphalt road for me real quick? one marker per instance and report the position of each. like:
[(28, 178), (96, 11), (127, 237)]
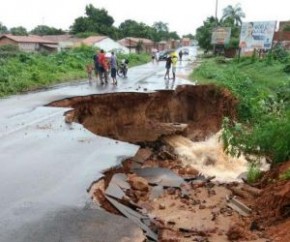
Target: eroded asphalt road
[(47, 166)]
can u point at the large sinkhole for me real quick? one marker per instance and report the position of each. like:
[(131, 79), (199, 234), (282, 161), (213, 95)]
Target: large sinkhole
[(193, 111)]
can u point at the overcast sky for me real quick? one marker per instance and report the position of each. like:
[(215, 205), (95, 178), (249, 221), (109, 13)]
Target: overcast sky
[(183, 16)]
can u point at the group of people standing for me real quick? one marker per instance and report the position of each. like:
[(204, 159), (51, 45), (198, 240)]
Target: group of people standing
[(102, 66)]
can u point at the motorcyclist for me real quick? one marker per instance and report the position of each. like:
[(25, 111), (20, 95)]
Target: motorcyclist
[(124, 66)]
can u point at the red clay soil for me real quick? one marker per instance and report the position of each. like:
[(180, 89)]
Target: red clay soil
[(195, 111), (202, 213), (273, 205)]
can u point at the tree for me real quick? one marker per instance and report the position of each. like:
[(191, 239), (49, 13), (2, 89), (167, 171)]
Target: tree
[(131, 28), (161, 32), (18, 31), (3, 29), (173, 35), (233, 14), (96, 21), (161, 26), (99, 16), (203, 33), (46, 30), (190, 36)]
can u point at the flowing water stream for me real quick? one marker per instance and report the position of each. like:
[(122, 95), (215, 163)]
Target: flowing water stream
[(209, 158)]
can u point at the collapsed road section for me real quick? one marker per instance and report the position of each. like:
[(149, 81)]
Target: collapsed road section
[(165, 188), (194, 111)]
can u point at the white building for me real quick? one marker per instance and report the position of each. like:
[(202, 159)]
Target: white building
[(105, 43)]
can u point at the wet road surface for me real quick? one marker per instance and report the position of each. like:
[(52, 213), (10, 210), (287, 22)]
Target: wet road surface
[(47, 165)]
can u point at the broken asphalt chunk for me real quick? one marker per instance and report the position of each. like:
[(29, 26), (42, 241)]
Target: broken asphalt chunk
[(160, 176), (142, 155), (115, 191), (238, 206), (120, 179), (134, 216), (156, 192)]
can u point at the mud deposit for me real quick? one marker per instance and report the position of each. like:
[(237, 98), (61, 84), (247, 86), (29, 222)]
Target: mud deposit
[(194, 111), (180, 186)]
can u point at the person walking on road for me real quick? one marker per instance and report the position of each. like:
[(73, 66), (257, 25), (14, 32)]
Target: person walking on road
[(174, 60), (103, 67), (157, 56), (180, 55), (96, 65), (89, 70), (167, 67), (113, 64)]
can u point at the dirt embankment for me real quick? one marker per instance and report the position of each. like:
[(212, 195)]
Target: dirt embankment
[(195, 111), (273, 205)]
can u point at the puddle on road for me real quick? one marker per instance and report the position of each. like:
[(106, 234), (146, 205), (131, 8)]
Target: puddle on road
[(178, 131)]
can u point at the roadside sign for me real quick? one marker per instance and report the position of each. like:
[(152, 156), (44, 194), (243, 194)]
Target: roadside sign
[(221, 36), (257, 35)]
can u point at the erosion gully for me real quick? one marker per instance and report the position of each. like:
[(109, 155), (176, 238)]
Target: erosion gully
[(180, 186)]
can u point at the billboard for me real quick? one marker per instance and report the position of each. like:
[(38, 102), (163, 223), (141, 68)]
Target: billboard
[(221, 36), (257, 35)]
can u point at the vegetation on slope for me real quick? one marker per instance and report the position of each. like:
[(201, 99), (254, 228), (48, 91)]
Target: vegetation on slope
[(262, 87)]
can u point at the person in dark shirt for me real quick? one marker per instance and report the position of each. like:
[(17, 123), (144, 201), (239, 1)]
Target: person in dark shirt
[(180, 55), (167, 67)]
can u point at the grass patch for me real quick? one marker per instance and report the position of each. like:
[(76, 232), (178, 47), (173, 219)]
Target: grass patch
[(22, 72), (254, 173), (285, 175)]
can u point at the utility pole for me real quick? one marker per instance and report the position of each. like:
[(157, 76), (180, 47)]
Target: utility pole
[(216, 7)]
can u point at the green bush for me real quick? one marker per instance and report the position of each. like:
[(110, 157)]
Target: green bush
[(254, 173), (280, 53), (286, 69), (285, 175)]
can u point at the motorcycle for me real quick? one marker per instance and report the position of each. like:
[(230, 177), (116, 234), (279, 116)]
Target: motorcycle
[(122, 69)]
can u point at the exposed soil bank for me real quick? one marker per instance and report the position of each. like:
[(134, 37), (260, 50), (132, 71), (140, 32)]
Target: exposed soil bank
[(194, 111)]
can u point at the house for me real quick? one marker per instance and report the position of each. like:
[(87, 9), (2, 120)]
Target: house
[(65, 41), (162, 45), (185, 42), (30, 43), (105, 43), (137, 44), (173, 44), (283, 38)]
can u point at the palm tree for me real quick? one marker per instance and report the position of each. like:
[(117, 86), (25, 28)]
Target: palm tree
[(234, 14)]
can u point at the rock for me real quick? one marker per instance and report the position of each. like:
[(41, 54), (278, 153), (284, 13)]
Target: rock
[(161, 206), (69, 118), (142, 155), (167, 235), (138, 183)]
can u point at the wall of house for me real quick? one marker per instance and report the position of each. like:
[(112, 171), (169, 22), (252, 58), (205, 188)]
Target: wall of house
[(109, 45), (6, 41), (28, 47)]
